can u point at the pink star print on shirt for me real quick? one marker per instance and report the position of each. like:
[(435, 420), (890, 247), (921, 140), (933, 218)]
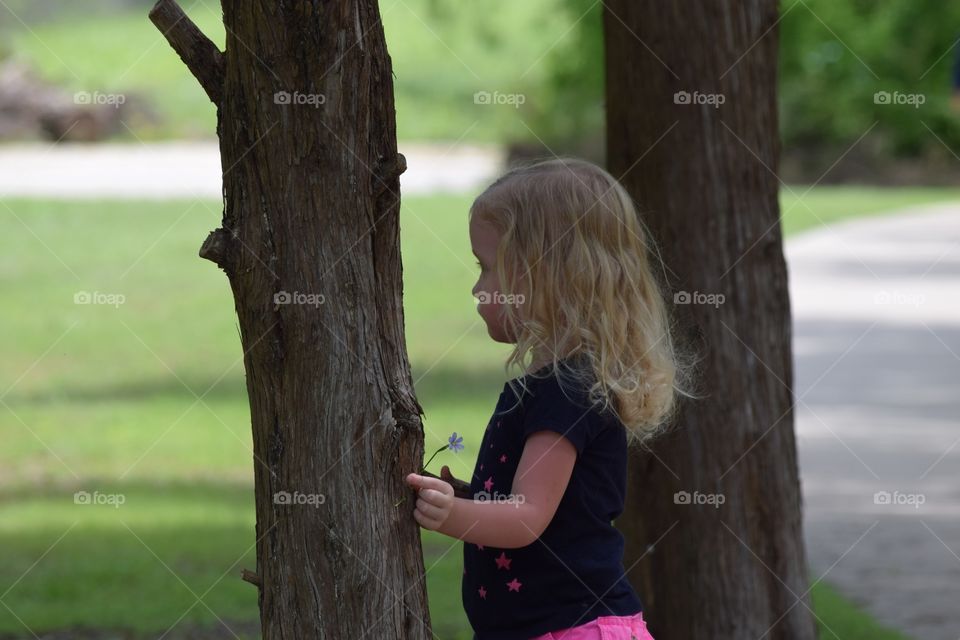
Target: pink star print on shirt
[(503, 562), (514, 585), (483, 593), (488, 483)]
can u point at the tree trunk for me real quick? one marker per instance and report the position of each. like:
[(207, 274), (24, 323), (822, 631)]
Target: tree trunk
[(310, 244), (702, 165)]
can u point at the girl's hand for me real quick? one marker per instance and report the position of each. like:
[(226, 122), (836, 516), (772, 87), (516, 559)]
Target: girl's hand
[(434, 500), (461, 489)]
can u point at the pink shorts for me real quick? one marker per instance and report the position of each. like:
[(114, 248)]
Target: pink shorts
[(604, 628)]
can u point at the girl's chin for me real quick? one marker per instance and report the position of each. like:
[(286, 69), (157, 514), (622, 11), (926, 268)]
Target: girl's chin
[(499, 336)]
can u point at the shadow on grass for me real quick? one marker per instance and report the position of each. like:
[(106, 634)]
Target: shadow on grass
[(139, 560), (165, 560), (442, 383)]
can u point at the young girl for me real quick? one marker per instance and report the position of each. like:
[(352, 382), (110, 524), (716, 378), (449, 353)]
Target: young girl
[(564, 275)]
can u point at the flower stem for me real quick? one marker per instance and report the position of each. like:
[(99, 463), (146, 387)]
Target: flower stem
[(423, 468), (434, 455)]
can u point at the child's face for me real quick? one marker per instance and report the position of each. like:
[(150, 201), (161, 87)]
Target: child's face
[(484, 240)]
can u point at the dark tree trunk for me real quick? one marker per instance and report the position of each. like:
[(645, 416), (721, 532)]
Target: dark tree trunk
[(310, 244), (706, 177)]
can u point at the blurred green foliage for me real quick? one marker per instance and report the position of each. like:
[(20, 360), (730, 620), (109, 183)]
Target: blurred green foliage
[(836, 58), (839, 60), (443, 55), (572, 109)]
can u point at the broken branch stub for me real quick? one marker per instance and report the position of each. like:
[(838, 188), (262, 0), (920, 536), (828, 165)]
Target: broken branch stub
[(202, 57)]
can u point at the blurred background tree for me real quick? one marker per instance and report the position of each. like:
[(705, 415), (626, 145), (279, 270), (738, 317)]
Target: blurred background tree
[(843, 66)]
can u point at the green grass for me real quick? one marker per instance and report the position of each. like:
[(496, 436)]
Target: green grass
[(104, 398), (845, 620), (130, 566), (440, 61), (802, 209)]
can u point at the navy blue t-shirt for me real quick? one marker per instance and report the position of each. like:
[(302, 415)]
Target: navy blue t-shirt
[(573, 573)]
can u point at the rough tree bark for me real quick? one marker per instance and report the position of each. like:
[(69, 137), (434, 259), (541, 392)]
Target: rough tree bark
[(706, 173), (310, 244)]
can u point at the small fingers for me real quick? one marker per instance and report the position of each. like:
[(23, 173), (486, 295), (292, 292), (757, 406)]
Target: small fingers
[(430, 510), (425, 522), (434, 497), (423, 482)]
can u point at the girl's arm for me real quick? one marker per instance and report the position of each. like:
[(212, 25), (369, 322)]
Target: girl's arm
[(542, 476)]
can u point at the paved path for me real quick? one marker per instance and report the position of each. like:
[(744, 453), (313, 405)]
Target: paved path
[(876, 305), (189, 169)]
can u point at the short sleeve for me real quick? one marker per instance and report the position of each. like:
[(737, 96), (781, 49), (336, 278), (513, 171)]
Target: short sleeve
[(548, 407)]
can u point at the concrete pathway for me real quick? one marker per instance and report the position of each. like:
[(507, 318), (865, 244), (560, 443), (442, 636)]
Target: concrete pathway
[(192, 169), (876, 306)]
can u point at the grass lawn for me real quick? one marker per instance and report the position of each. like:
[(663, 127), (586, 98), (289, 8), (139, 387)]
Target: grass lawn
[(145, 399), (803, 208)]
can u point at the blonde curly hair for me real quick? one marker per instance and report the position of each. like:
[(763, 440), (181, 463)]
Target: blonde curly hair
[(574, 250)]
